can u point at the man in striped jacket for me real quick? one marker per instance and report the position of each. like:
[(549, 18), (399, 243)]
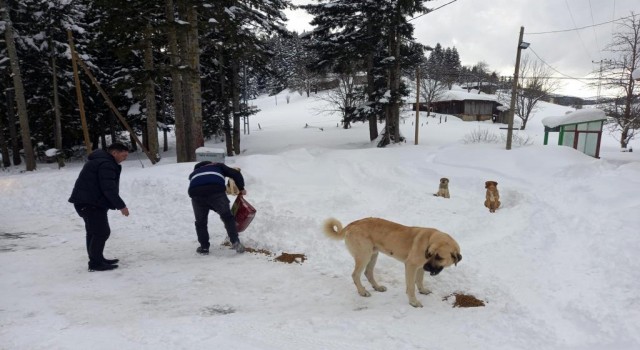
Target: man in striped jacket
[(207, 192)]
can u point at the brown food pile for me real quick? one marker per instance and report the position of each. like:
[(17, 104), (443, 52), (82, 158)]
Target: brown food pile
[(285, 257), (291, 258), (465, 300), (258, 251)]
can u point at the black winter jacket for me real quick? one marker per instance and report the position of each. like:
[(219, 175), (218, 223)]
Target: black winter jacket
[(98, 182), (209, 179)]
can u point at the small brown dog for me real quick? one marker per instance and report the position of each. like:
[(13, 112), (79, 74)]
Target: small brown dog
[(443, 188), (232, 188), (492, 200)]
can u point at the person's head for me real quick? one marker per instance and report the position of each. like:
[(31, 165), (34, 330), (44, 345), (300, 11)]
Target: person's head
[(119, 151), (201, 164)]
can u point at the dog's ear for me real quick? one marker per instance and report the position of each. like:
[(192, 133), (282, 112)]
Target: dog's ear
[(495, 183), (486, 184), (428, 254), (456, 258)]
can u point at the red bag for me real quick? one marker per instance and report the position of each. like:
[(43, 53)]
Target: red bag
[(243, 212)]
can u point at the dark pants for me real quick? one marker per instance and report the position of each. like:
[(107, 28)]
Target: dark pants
[(218, 202), (96, 224)]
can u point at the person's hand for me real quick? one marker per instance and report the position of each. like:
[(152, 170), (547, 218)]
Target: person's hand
[(125, 211), (243, 192)]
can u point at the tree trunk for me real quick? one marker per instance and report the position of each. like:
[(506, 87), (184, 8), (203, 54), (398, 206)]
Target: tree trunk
[(4, 150), (150, 94), (187, 95), (197, 136), (176, 84), (19, 90), (235, 102), (112, 126), (13, 133), (134, 144), (394, 78), (223, 91), (373, 118), (56, 107)]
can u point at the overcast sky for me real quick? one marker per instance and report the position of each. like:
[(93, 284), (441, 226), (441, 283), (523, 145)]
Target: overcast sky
[(488, 31)]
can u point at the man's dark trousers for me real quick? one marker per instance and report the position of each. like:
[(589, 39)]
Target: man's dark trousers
[(96, 223), (218, 202)]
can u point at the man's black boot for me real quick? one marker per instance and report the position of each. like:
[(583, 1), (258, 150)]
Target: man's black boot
[(111, 261), (101, 267)]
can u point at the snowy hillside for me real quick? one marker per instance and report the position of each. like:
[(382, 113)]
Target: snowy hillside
[(556, 265)]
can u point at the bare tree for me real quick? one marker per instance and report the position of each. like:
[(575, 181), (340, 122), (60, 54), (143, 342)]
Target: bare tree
[(431, 89), (617, 77), (535, 84), (344, 99)]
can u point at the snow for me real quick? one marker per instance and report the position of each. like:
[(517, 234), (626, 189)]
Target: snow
[(461, 95), (575, 117), (556, 265), (636, 74)]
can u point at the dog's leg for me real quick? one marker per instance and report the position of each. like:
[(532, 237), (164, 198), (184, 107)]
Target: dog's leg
[(368, 272), (410, 276), (361, 264), (420, 282)]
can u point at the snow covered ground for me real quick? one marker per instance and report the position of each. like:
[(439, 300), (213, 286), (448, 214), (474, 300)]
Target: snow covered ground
[(557, 265)]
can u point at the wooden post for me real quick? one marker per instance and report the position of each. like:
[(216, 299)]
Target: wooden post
[(83, 119), (111, 105), (513, 91), (116, 112), (417, 102)]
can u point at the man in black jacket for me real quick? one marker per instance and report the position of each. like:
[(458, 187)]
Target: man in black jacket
[(95, 192), (208, 192)]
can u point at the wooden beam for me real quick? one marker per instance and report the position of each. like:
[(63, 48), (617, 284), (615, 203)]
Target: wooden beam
[(153, 159)]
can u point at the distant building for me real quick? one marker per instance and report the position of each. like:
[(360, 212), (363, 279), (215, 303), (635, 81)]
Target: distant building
[(468, 106), (581, 129)]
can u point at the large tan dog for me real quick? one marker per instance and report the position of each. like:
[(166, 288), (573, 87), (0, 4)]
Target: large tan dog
[(419, 248), (492, 198)]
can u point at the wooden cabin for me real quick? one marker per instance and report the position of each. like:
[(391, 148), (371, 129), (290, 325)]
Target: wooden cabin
[(468, 106)]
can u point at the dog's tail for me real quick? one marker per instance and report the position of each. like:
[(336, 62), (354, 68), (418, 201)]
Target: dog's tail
[(333, 229)]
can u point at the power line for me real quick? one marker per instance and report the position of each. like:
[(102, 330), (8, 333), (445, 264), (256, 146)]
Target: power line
[(555, 70), (437, 8), (594, 29), (580, 28), (579, 36)]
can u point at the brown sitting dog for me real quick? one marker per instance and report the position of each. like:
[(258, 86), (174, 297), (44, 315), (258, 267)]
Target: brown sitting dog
[(492, 200), (232, 188), (443, 188)]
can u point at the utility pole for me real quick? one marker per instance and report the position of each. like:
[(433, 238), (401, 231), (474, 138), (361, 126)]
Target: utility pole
[(521, 45), (417, 102), (599, 82)]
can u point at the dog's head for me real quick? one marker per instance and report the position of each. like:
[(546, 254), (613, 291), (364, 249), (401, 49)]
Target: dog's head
[(442, 251), (444, 181), (491, 185)]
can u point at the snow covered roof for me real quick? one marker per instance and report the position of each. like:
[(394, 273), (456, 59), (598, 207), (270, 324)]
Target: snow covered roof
[(461, 95), (575, 117)]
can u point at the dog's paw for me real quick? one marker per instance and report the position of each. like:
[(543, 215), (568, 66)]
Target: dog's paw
[(415, 303), (364, 293), (380, 288), (424, 291)]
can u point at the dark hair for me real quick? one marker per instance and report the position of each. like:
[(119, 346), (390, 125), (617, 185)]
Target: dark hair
[(201, 164), (117, 146)]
